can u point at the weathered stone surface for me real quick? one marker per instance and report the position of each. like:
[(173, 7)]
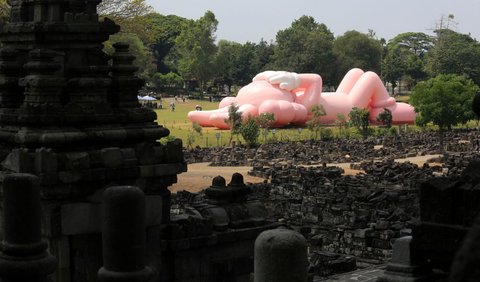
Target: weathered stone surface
[(337, 151), (326, 263), (280, 255)]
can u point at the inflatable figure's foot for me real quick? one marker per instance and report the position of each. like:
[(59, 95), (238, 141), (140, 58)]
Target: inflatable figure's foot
[(389, 102), (402, 113)]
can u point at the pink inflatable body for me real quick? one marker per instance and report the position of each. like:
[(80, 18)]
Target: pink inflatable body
[(290, 97)]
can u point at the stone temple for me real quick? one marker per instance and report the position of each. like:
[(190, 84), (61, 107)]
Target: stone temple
[(70, 115)]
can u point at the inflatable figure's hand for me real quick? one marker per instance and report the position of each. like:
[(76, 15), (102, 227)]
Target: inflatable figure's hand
[(264, 75), (285, 80)]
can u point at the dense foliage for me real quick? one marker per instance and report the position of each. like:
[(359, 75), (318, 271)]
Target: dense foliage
[(445, 100)]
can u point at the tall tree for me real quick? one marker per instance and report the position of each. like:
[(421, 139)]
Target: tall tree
[(454, 53), (418, 43), (130, 15), (262, 56), (357, 50), (394, 66), (196, 49), (405, 57), (445, 100), (164, 31), (227, 62), (305, 47)]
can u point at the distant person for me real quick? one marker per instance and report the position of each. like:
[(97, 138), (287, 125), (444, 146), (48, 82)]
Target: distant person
[(198, 108), (172, 106)]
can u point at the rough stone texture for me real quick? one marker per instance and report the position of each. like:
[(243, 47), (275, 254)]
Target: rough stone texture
[(280, 255), (69, 114), (404, 267), (465, 263), (362, 215), (325, 263), (448, 208), (337, 151), (123, 236), (23, 255)]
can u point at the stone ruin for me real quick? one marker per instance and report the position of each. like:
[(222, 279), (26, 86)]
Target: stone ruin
[(317, 152), (354, 220)]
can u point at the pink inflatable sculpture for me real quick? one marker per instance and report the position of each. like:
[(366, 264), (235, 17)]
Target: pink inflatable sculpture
[(290, 97)]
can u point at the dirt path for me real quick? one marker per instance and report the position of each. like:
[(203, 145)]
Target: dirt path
[(199, 176)]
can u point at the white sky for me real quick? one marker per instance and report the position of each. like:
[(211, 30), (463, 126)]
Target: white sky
[(252, 20)]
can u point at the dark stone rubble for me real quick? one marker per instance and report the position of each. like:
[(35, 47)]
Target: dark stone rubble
[(317, 152)]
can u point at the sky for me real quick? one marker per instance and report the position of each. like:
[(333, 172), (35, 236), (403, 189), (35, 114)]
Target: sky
[(253, 20)]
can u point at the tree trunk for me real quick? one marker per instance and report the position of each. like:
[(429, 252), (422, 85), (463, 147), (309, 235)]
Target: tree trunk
[(440, 135)]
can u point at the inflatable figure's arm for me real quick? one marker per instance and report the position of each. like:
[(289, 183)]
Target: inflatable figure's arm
[(285, 80), (309, 90)]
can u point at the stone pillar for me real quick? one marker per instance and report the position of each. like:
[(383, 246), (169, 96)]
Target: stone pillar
[(123, 236), (23, 254), (280, 256), (403, 266)]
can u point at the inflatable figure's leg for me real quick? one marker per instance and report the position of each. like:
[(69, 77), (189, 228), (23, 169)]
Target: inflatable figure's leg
[(349, 80), (370, 91)]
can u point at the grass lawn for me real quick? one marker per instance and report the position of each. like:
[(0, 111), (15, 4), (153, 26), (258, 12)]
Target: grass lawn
[(179, 126)]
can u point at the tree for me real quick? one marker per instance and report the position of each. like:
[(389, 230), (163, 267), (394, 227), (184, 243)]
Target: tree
[(265, 121), (131, 15), (193, 133), (445, 100), (250, 130), (196, 49), (417, 43), (231, 63), (357, 50), (262, 56), (315, 123), (394, 66), (305, 47), (360, 118), (234, 120), (341, 122), (454, 53), (169, 82), (405, 57), (385, 118), (165, 30)]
